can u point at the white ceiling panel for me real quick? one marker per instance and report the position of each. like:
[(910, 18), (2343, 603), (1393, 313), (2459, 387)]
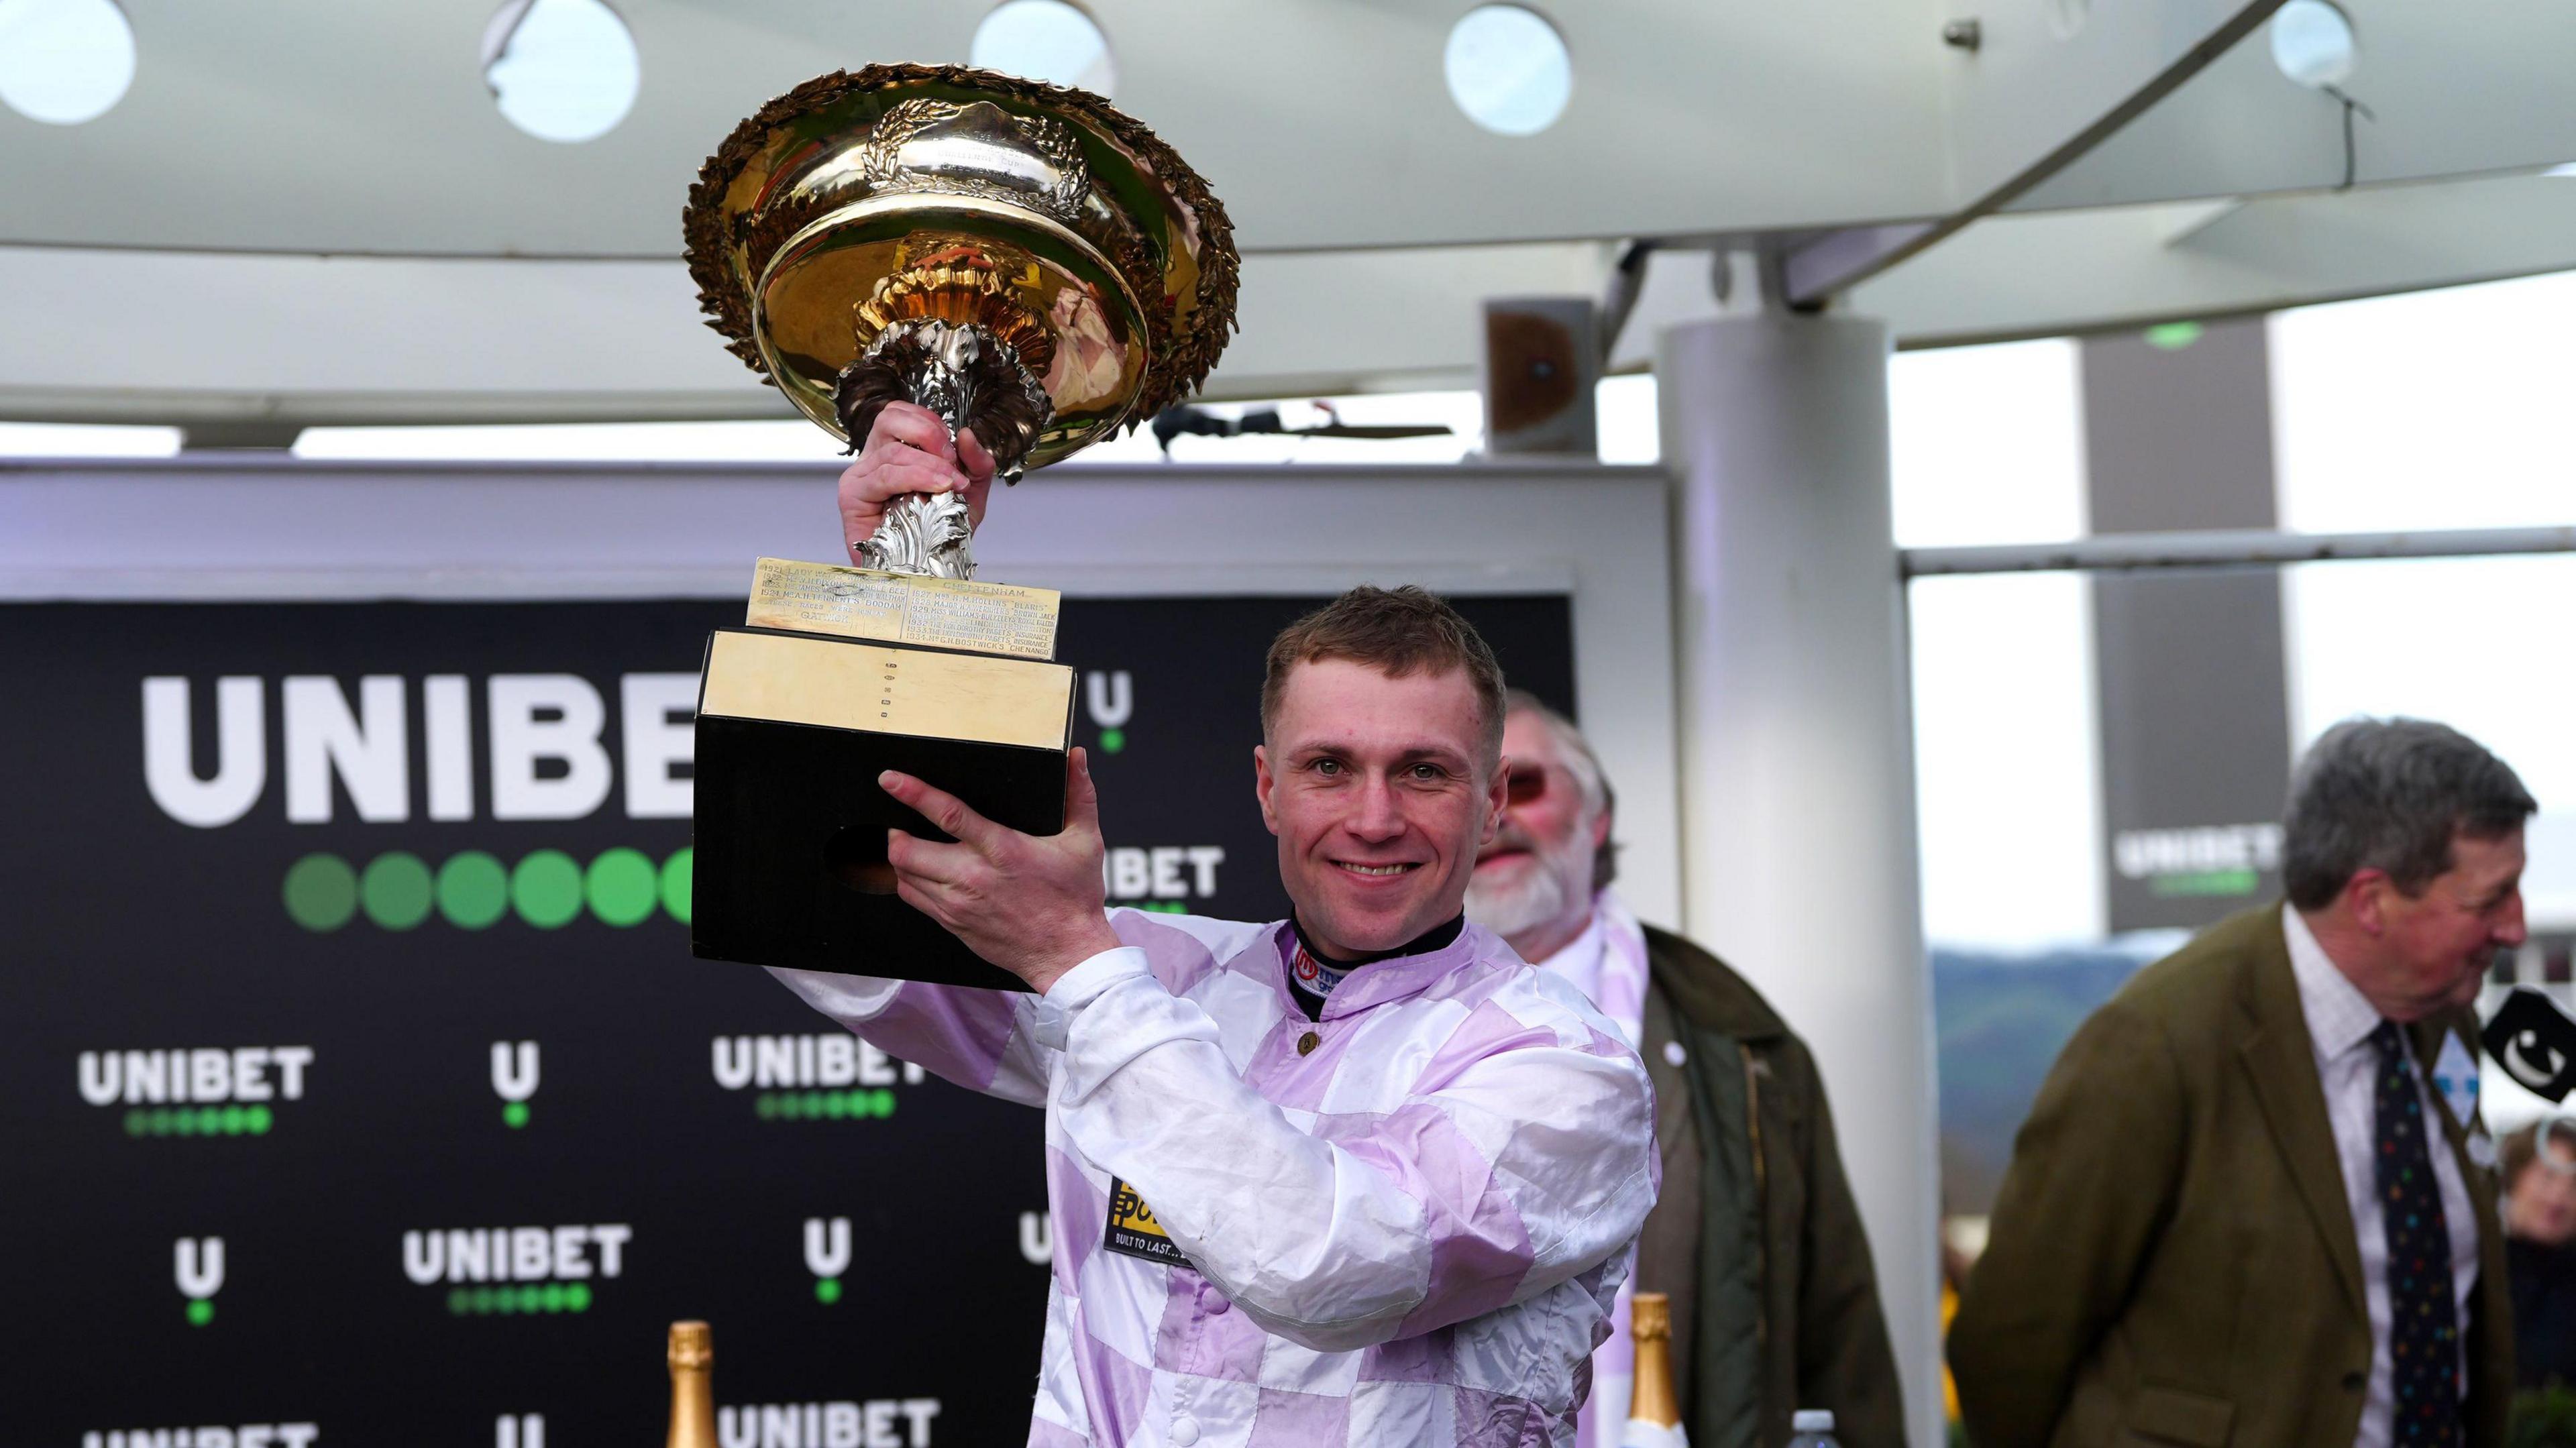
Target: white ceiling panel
[(324, 126)]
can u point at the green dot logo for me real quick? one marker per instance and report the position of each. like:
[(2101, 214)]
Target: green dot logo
[(515, 1114), (321, 892), (1112, 740), (677, 873), (827, 1290), (396, 890), (621, 887), (473, 890), (200, 1313), (546, 889)]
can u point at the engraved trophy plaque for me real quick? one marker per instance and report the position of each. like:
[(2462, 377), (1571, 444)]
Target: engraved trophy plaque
[(1026, 262)]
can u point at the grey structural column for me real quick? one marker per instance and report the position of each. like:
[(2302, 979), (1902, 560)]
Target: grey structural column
[(1797, 770)]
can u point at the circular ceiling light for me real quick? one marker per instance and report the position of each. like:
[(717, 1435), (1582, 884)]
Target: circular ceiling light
[(561, 70), (1046, 40), (2312, 43), (1508, 69), (64, 61)]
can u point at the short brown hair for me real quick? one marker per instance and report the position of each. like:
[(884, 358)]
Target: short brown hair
[(1396, 631)]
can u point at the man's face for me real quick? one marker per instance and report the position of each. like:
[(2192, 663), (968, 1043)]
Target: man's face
[(1535, 879), (2436, 945), (1378, 791)]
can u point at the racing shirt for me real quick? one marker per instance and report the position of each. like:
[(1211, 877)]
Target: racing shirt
[(1403, 1222)]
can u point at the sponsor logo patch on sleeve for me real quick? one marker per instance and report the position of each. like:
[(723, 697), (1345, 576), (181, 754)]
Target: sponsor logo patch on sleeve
[(1133, 1230)]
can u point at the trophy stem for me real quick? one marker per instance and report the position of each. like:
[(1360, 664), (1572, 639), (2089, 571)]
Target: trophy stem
[(971, 379)]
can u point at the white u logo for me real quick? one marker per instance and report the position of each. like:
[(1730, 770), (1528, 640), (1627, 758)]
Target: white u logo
[(827, 1245), (241, 751), (1037, 1238), (201, 1266), (1112, 696), (528, 1430), (514, 1082)]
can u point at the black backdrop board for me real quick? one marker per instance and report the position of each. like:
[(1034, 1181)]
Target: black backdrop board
[(462, 1003)]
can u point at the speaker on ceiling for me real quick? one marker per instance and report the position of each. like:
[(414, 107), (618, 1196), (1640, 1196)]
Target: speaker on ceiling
[(1542, 359)]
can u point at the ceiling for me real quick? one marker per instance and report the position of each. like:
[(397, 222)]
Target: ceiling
[(307, 211)]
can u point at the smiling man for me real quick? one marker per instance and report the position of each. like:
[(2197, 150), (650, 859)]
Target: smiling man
[(2254, 1202), (1355, 1177)]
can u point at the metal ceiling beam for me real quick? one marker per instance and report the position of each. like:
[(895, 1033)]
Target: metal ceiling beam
[(2152, 56), (2225, 548), (2451, 93)]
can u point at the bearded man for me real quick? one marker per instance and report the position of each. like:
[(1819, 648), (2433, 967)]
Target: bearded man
[(1756, 1239), (1358, 1176)]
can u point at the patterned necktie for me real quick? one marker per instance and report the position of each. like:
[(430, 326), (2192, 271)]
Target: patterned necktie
[(2423, 1317)]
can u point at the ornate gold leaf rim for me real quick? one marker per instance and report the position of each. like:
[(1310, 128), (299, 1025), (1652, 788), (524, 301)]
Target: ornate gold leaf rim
[(1182, 356)]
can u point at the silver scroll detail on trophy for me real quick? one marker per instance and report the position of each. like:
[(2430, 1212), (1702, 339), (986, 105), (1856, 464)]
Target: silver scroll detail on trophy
[(963, 373)]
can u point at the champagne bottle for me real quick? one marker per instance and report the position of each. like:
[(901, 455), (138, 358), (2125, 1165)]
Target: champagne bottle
[(1654, 1414), (693, 1393)]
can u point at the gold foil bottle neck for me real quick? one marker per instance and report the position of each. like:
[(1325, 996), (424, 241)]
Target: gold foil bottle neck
[(693, 1396), (1650, 1316), (1650, 1323)]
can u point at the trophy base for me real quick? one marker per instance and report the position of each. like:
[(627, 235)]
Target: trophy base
[(790, 833)]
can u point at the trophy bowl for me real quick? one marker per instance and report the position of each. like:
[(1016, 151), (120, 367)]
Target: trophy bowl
[(1021, 258)]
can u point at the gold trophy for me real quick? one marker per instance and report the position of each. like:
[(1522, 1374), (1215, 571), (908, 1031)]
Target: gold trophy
[(1025, 261)]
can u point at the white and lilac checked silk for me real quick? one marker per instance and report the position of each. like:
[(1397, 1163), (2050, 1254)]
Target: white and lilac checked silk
[(1409, 1234)]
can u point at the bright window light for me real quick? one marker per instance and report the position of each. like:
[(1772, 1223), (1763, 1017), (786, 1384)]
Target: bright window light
[(620, 442), (85, 440), (1046, 40), (1508, 69), (561, 70), (64, 61)]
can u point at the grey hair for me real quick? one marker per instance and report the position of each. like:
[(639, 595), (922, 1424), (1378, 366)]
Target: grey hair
[(2389, 794), (1580, 762)]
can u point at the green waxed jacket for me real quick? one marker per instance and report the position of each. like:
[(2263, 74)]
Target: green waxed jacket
[(1755, 1238)]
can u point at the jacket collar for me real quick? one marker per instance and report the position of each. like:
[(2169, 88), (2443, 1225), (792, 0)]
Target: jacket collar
[(1705, 993)]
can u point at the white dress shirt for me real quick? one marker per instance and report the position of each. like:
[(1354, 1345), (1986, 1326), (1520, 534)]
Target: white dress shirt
[(1607, 962), (2340, 1021)]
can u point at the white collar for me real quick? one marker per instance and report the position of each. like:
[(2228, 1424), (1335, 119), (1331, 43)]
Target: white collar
[(1579, 959), (2340, 1017)]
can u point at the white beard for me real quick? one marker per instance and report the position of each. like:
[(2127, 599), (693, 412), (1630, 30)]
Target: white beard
[(1507, 910)]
